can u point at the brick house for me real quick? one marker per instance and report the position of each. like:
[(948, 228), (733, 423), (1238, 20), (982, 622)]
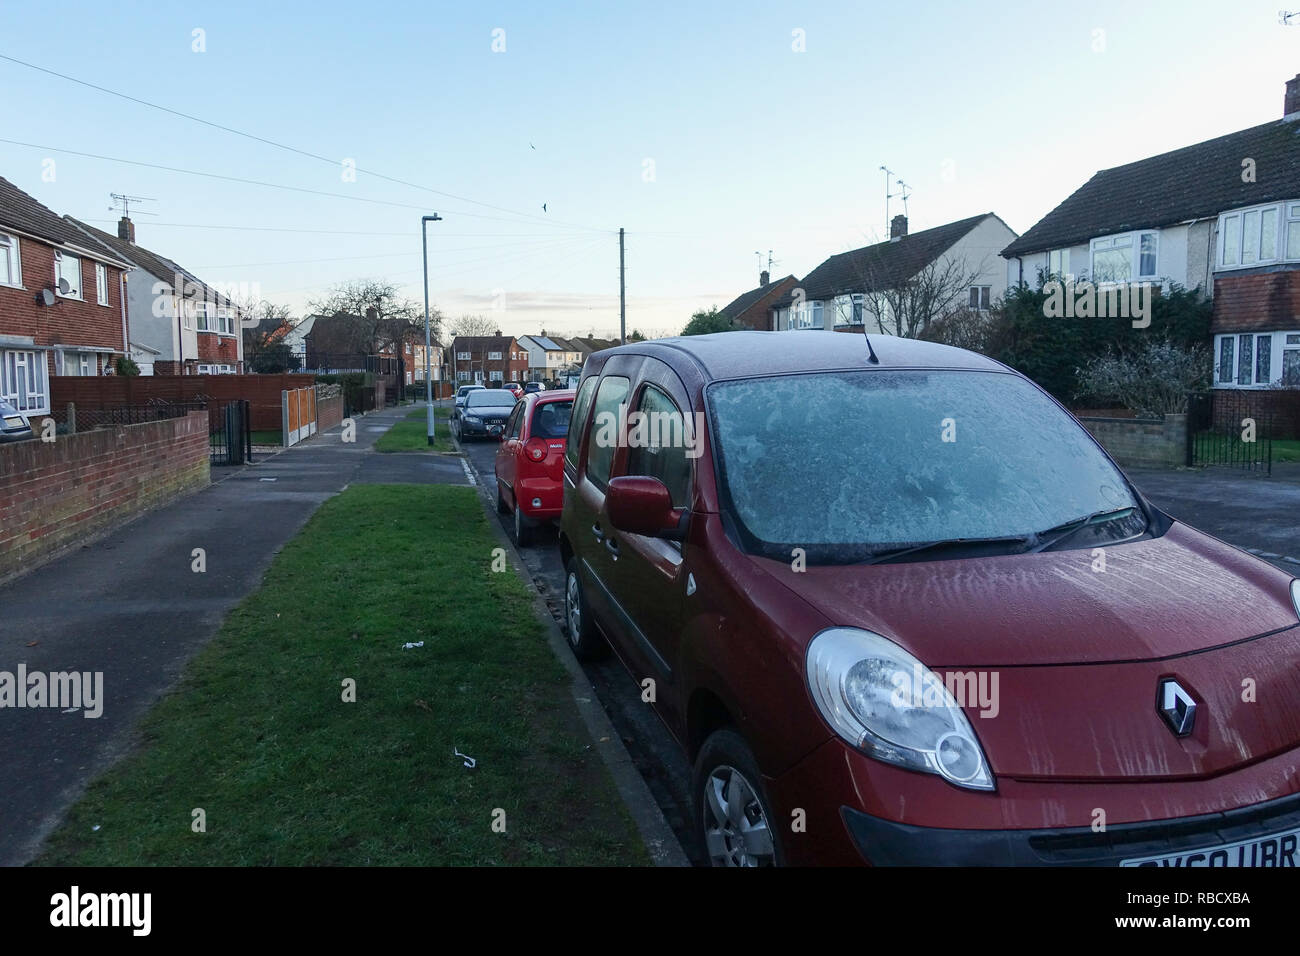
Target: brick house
[(182, 326), (62, 307), (490, 360), (753, 308), (1222, 216)]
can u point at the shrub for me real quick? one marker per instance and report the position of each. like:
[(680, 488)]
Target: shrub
[(1152, 379)]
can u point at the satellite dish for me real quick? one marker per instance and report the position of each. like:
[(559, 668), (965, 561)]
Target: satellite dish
[(64, 288), (45, 297)]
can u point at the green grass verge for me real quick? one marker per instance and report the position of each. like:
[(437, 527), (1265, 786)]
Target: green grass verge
[(1284, 449), (267, 437), (257, 735), (412, 434)]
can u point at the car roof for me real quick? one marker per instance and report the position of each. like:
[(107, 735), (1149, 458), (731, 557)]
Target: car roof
[(497, 391), (745, 354)]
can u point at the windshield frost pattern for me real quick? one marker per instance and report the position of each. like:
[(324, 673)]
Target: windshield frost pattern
[(859, 459)]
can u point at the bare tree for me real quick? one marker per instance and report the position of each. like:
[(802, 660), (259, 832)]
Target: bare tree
[(908, 307), (262, 323), (383, 318), (474, 325)]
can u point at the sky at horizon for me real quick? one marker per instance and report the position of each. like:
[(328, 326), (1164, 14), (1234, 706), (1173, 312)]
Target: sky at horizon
[(709, 133)]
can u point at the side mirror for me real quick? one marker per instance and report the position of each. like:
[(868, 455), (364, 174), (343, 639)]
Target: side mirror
[(641, 505)]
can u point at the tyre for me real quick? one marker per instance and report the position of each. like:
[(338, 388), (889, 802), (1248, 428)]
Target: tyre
[(584, 640), (733, 815), (523, 530), (501, 501)]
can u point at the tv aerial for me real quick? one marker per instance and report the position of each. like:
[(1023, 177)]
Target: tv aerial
[(122, 204)]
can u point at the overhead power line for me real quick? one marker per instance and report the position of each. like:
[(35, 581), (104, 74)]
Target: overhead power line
[(291, 149)]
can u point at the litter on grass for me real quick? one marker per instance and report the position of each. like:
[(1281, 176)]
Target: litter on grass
[(469, 761), (408, 646)]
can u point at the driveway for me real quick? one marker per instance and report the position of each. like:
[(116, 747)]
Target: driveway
[(1255, 513), (129, 605)]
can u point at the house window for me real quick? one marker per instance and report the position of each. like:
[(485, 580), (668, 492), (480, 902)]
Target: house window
[(68, 268), (101, 283), (1122, 258), (462, 356), (11, 266), (1249, 237), (494, 356), (496, 375), (1245, 359), (1058, 262), (859, 310), (23, 381), (979, 297)]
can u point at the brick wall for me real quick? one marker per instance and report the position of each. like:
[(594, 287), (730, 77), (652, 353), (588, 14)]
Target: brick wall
[(329, 412), (55, 494), (1263, 302), (218, 349), (69, 321), (1142, 442), (262, 392)]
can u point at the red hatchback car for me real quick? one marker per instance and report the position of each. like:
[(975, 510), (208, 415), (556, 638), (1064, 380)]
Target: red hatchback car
[(530, 462), (901, 608)]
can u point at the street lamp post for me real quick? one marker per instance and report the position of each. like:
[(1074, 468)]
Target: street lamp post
[(428, 381)]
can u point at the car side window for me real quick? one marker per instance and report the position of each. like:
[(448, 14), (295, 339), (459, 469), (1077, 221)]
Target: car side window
[(579, 417), (656, 445), (605, 420), (516, 421)]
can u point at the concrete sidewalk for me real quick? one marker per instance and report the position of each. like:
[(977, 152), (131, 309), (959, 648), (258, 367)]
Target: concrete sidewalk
[(129, 605), (1259, 514)]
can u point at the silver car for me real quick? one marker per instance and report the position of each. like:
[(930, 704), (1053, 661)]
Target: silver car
[(14, 425)]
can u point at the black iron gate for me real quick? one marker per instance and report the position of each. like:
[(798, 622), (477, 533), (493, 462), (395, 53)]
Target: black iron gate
[(1230, 427), (230, 435)]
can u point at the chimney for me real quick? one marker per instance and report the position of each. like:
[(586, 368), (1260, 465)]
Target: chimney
[(126, 230), (763, 277), (1291, 105), (897, 227)]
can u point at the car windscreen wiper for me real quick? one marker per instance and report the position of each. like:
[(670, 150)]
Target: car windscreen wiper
[(1056, 535), (893, 554)]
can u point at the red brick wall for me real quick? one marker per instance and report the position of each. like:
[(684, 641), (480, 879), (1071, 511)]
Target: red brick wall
[(68, 321), (218, 349), (54, 494), (1261, 302), (329, 412), (261, 391)]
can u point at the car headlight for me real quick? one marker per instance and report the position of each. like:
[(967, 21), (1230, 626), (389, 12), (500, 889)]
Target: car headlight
[(887, 704), (1295, 596), (474, 418)]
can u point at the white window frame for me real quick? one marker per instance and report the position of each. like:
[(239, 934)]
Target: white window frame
[(1286, 213), (496, 375), (494, 356), (34, 397), (60, 257), (983, 296), (1278, 346), (101, 283), (1134, 241), (11, 249), (462, 357)]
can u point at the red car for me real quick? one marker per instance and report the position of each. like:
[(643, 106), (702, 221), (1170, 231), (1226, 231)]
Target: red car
[(899, 607), (530, 461), (515, 388)]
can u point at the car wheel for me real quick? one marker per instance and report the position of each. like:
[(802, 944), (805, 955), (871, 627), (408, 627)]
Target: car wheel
[(501, 501), (523, 530), (732, 811), (584, 640)]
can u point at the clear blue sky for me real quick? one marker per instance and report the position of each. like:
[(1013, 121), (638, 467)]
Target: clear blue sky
[(1001, 107)]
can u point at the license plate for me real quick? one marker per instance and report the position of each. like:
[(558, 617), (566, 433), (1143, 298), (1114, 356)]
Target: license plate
[(1276, 849), (13, 421)]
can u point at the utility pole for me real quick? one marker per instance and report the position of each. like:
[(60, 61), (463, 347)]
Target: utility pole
[(622, 292), (428, 381)]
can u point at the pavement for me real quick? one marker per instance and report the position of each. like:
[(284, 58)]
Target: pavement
[(1256, 513), (129, 605)]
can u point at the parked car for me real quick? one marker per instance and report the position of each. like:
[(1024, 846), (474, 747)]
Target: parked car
[(515, 388), (943, 629), (459, 403), (530, 462), (531, 387), (484, 413), (14, 425)]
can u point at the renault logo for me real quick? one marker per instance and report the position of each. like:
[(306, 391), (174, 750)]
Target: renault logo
[(1176, 706)]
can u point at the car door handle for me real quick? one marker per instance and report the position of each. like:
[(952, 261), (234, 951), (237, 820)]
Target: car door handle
[(600, 535), (612, 547)]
